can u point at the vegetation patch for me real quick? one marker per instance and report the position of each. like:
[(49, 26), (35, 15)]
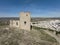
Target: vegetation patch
[(43, 35), (39, 28), (23, 37)]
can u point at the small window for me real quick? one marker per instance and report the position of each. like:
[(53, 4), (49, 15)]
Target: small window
[(16, 23), (26, 14), (25, 22)]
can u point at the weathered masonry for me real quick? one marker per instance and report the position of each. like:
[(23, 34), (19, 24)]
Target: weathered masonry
[(23, 22)]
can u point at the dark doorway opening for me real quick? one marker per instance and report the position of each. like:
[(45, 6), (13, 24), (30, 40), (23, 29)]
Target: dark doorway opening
[(31, 27), (25, 22)]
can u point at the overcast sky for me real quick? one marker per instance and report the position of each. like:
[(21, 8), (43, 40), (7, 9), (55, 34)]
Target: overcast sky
[(38, 8)]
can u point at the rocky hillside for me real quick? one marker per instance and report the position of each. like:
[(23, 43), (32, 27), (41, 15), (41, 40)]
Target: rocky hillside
[(21, 37)]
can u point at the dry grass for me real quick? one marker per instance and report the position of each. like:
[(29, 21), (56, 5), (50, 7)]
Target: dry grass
[(22, 37)]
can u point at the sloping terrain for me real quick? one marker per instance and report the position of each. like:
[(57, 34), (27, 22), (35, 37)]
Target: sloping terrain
[(22, 37)]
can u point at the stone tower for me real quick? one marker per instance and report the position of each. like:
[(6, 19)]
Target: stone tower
[(25, 20)]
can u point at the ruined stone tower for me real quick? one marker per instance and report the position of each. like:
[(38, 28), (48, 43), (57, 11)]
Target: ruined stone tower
[(24, 21)]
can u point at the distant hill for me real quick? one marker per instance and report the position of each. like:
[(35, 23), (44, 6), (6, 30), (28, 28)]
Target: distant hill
[(9, 18), (32, 19), (45, 19)]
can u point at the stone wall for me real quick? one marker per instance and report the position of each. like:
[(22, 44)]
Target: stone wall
[(25, 20)]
